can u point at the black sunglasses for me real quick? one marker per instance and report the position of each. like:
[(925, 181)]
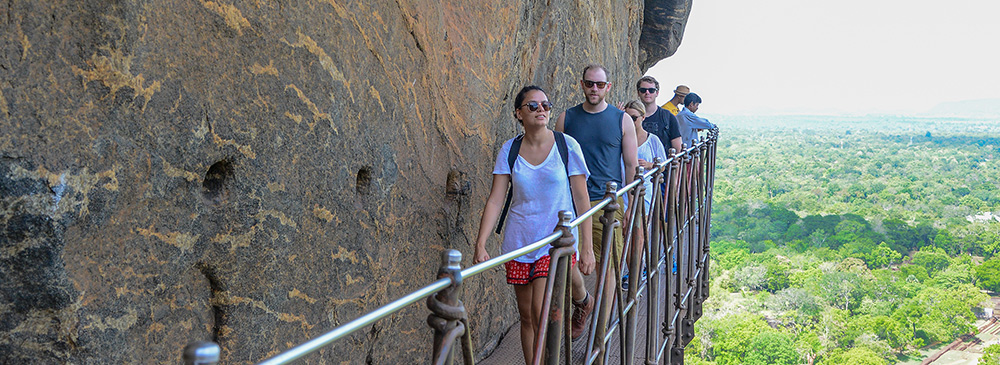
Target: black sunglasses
[(650, 90), (534, 105), (589, 84), (634, 117)]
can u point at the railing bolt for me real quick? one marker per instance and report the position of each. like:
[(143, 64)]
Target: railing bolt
[(201, 353), (448, 316)]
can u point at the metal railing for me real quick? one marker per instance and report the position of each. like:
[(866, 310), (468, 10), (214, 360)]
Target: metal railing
[(675, 254)]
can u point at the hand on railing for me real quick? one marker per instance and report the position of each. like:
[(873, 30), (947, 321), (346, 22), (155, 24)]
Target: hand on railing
[(646, 164)]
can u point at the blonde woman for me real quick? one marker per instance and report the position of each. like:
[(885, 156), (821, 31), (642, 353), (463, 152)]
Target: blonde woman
[(650, 148)]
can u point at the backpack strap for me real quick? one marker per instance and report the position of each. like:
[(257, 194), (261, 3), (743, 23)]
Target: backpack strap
[(564, 154), (515, 148), (563, 150)]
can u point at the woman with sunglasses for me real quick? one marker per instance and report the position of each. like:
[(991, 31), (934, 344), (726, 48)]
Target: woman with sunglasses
[(650, 148), (541, 188)]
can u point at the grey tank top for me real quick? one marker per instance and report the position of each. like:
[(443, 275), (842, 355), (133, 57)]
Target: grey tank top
[(600, 137)]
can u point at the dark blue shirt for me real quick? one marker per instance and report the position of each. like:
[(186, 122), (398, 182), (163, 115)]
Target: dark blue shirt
[(600, 138), (664, 125)]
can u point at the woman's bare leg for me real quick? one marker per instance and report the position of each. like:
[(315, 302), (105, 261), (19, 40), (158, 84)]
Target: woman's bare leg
[(529, 307)]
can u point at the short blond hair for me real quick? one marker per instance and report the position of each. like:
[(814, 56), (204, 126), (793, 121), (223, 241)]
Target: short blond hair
[(596, 66)]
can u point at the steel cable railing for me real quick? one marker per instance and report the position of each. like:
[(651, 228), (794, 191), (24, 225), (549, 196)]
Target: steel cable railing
[(674, 250)]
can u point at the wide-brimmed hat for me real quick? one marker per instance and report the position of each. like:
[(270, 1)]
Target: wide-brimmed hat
[(682, 90)]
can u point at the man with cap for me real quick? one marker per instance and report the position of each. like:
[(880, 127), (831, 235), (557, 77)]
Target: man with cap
[(674, 104)]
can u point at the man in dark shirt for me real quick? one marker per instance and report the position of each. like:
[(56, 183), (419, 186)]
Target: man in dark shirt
[(658, 121)]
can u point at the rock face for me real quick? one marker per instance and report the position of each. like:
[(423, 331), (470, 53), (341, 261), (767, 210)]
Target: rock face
[(662, 30), (257, 173)]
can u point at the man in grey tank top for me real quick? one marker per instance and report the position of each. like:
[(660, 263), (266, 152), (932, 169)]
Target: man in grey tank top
[(607, 136)]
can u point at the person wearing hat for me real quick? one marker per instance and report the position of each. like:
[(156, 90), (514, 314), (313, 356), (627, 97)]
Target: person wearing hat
[(674, 104)]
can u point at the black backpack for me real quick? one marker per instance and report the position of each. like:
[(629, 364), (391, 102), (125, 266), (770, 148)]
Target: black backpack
[(515, 147)]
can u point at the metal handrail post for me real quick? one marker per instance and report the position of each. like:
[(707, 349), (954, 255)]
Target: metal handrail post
[(598, 328), (687, 325), (554, 329), (698, 248), (710, 188), (653, 258), (637, 220), (669, 243), (448, 317), (677, 352)]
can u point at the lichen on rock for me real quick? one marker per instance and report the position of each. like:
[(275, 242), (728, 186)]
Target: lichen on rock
[(257, 173)]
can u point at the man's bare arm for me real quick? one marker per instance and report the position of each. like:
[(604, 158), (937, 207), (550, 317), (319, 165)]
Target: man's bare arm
[(677, 144), (630, 155)]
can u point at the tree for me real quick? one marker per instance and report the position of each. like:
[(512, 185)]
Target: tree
[(988, 275), (795, 299), (941, 314), (952, 276), (989, 240), (991, 355), (944, 241), (901, 233), (896, 334), (772, 347), (883, 256), (776, 277), (751, 277), (854, 356), (934, 259), (818, 238), (842, 289), (733, 337)]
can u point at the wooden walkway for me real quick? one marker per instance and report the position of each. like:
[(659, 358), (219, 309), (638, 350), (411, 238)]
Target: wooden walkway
[(509, 349)]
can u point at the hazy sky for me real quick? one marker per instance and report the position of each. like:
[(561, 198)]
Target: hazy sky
[(845, 56)]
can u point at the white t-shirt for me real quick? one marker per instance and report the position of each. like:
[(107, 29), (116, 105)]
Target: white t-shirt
[(649, 151), (539, 193)]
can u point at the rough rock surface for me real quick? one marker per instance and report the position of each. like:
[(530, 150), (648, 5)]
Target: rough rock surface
[(662, 31), (259, 172)]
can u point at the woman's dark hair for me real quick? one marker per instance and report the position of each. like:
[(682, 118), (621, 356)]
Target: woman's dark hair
[(691, 98), (519, 99)]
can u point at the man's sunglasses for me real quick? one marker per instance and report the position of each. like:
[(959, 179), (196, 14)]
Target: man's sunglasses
[(534, 105), (589, 84), (647, 90)]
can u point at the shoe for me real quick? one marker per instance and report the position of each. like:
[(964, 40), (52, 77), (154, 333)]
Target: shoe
[(642, 279), (580, 314)]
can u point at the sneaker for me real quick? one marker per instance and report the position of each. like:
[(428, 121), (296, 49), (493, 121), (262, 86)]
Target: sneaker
[(642, 279), (580, 314)]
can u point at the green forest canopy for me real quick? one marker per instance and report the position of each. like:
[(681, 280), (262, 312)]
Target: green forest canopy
[(849, 239)]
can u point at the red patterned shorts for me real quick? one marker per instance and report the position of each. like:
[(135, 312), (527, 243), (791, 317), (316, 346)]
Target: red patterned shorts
[(522, 273)]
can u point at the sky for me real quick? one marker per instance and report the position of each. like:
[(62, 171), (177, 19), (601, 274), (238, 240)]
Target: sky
[(835, 57)]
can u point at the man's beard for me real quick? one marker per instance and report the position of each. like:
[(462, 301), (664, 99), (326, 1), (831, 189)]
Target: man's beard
[(599, 100)]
